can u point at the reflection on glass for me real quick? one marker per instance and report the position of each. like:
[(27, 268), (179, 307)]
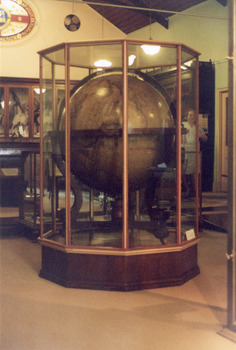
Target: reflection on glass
[(189, 149), (96, 158), (48, 166), (31, 191), (155, 208), (18, 112), (60, 97), (2, 118), (36, 112), (151, 162)]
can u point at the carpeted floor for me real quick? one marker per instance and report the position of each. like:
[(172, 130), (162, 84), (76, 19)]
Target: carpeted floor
[(38, 315)]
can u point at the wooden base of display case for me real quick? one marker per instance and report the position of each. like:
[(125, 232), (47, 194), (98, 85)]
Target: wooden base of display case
[(119, 272)]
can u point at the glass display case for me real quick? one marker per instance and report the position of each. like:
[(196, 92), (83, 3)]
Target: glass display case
[(19, 155), (115, 213), (19, 110)]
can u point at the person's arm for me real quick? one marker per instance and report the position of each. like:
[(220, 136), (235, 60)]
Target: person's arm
[(202, 135)]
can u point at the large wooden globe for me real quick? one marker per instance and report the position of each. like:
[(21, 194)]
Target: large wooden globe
[(96, 131)]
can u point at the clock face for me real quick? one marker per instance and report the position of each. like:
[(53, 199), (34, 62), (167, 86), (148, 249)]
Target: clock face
[(16, 20)]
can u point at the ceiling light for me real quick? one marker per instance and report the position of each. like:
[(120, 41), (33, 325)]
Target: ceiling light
[(150, 49), (102, 64)]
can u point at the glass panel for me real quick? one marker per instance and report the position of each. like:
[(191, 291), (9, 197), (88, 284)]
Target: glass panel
[(96, 56), (189, 150), (152, 161), (96, 157), (56, 56), (151, 56), (53, 161), (36, 112), (87, 55), (96, 152), (2, 115), (60, 98), (31, 189), (18, 112), (187, 57)]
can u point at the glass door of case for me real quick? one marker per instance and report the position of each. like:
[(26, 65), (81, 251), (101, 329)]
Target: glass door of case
[(19, 124), (19, 111)]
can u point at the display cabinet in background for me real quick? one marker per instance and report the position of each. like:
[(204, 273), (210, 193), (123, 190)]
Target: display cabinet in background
[(113, 212), (19, 155), (19, 109)]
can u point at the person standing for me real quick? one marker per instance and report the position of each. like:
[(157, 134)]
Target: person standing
[(189, 146)]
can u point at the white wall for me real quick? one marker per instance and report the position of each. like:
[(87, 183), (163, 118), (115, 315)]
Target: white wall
[(20, 59), (209, 36)]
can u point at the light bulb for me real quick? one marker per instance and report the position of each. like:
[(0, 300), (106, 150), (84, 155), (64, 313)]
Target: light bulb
[(150, 49), (102, 63)]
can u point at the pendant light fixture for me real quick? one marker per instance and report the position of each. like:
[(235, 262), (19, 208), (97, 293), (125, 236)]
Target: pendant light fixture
[(150, 49), (102, 63)]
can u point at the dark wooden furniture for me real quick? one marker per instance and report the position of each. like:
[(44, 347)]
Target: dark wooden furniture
[(119, 272), (13, 188)]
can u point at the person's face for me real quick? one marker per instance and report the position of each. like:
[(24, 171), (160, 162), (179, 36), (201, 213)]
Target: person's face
[(191, 117)]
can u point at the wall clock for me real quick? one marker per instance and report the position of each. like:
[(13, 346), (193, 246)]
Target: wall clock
[(17, 20)]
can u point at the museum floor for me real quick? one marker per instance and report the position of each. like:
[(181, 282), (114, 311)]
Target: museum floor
[(37, 314)]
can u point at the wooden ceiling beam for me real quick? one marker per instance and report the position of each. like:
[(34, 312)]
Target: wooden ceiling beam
[(157, 17), (222, 2)]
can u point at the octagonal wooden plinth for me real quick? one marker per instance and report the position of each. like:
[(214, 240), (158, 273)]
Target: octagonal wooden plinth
[(119, 272)]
